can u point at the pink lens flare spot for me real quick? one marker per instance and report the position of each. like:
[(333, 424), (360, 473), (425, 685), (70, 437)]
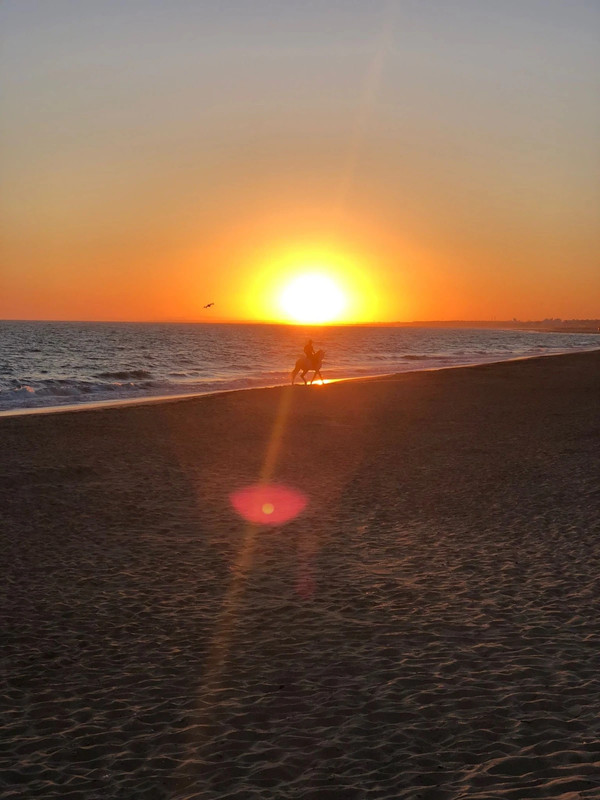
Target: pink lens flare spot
[(268, 504)]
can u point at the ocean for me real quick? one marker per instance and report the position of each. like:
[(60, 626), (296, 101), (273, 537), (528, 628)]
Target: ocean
[(52, 364)]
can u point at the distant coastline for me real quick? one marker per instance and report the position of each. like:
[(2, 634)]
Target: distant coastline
[(541, 326)]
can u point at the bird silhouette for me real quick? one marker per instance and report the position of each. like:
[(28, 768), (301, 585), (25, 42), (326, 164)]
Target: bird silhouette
[(208, 305)]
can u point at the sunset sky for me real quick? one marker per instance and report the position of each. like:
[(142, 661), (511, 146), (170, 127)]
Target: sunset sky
[(432, 159)]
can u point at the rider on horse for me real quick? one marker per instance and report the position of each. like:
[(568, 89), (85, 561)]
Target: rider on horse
[(310, 361)]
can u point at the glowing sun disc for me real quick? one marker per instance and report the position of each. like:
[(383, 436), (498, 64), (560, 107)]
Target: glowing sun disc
[(313, 297)]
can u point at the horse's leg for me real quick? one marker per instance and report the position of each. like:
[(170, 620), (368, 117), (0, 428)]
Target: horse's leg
[(302, 376)]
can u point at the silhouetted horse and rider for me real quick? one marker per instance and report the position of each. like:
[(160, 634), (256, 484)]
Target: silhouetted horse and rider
[(309, 362)]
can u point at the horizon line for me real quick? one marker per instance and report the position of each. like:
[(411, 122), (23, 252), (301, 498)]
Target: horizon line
[(546, 320)]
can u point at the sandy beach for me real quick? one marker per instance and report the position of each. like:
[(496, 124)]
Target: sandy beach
[(428, 626)]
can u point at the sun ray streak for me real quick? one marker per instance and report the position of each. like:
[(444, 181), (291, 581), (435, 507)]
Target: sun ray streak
[(220, 645)]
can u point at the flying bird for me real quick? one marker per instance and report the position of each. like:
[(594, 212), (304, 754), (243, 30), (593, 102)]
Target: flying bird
[(208, 305)]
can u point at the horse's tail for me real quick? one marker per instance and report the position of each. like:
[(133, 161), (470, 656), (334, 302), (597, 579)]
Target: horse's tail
[(294, 372)]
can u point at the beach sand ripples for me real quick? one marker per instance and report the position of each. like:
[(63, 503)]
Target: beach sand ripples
[(426, 629)]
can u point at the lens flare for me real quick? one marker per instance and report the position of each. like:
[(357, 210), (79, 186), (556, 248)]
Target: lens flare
[(268, 504)]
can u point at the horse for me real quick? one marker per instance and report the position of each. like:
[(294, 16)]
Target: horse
[(304, 365)]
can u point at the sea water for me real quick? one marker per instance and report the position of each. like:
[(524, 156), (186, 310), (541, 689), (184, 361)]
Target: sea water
[(49, 364)]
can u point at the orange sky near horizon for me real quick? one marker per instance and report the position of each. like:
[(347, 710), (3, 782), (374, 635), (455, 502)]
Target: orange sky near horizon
[(437, 163)]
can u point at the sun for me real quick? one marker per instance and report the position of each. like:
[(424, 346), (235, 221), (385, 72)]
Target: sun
[(313, 298), (316, 284)]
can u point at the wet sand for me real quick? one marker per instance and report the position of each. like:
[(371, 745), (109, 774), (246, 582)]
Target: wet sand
[(428, 627)]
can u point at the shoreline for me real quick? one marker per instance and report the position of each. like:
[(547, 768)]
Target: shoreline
[(100, 405)]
